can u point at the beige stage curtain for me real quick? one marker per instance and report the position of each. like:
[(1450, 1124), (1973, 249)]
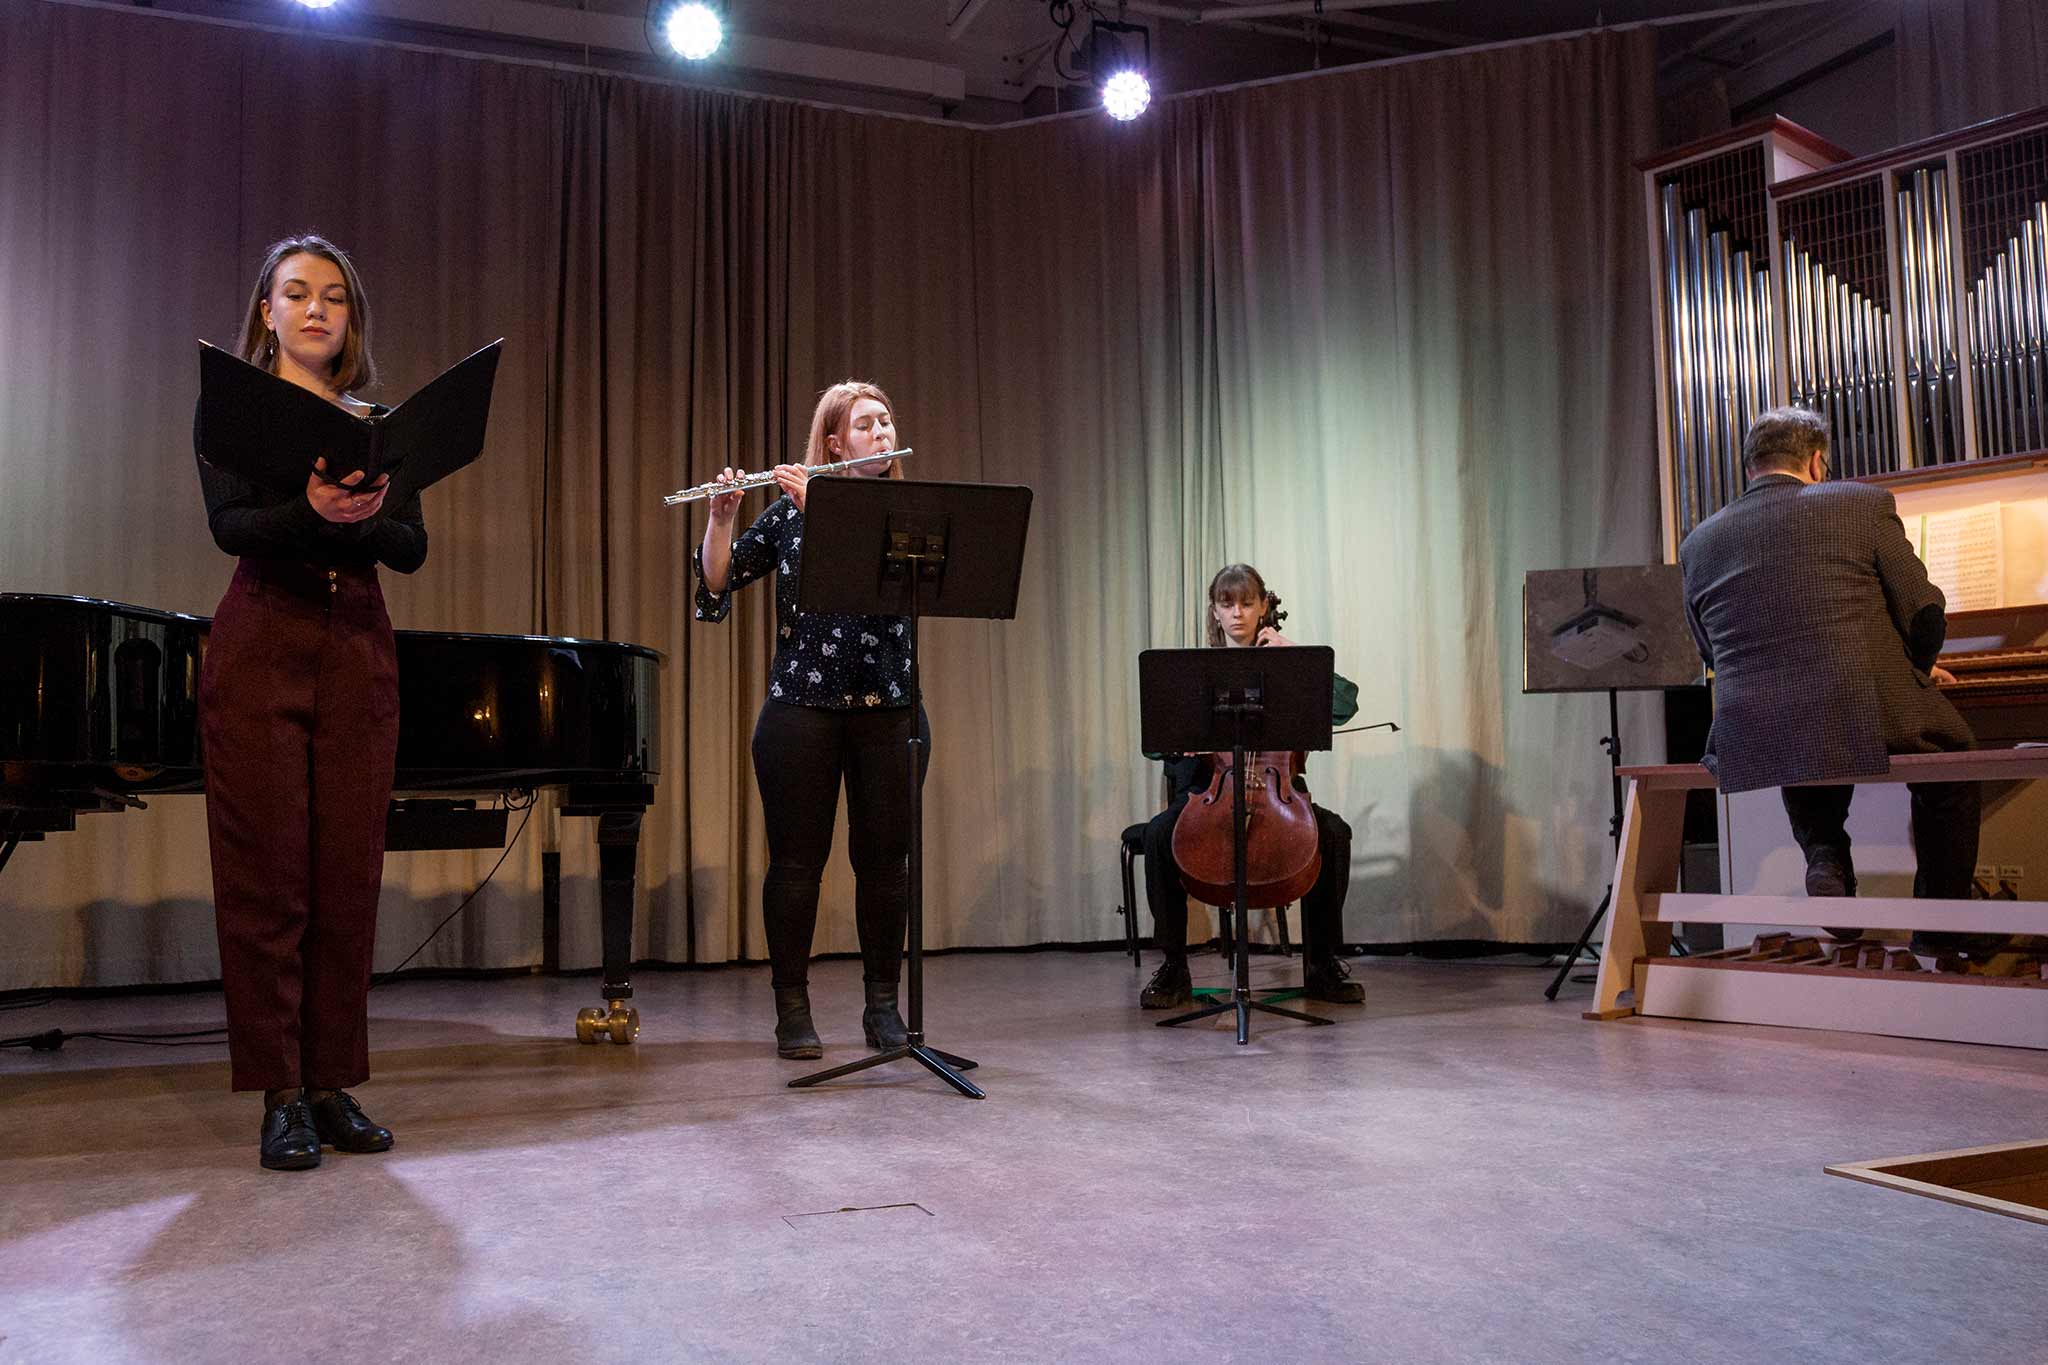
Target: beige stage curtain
[(1964, 61), (1382, 333)]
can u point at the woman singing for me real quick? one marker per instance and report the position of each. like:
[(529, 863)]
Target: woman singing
[(838, 707), (298, 714), (1238, 609)]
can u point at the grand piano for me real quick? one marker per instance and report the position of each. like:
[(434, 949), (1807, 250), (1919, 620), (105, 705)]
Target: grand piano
[(99, 712)]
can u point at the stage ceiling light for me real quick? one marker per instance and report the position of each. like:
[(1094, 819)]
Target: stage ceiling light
[(695, 30), (317, 4), (1114, 55), (1119, 58), (1126, 94)]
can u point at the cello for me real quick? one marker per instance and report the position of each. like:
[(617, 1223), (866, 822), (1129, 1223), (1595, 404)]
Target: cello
[(1283, 854)]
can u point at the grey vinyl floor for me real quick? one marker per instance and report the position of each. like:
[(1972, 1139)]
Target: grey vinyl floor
[(1456, 1172)]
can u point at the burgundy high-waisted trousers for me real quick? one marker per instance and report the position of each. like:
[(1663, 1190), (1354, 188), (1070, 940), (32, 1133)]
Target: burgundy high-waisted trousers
[(298, 715)]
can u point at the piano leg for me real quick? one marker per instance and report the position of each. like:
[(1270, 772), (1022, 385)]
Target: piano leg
[(618, 849), (551, 911)]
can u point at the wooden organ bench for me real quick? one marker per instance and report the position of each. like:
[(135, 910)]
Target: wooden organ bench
[(1886, 993)]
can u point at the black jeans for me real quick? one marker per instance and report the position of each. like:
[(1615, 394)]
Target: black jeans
[(800, 755), (1322, 907), (1946, 818)]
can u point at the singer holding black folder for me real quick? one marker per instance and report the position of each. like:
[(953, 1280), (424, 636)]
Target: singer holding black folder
[(298, 703), (838, 708)]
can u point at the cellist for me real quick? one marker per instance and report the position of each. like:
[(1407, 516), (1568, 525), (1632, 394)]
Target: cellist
[(1242, 614)]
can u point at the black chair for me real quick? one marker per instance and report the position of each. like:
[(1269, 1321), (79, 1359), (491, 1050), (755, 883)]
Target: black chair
[(1133, 848), (1229, 936)]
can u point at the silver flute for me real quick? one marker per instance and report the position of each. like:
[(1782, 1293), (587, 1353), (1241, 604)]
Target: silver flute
[(767, 476)]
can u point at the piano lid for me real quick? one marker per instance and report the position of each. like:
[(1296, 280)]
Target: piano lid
[(129, 609), (103, 696)]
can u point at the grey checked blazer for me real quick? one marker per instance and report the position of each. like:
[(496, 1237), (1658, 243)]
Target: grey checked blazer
[(1818, 620)]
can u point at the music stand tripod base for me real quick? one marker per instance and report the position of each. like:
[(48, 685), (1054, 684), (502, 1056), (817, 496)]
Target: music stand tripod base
[(944, 1065), (1241, 996), (1244, 1008)]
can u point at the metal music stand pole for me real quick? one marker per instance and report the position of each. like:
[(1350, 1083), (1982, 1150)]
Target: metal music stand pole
[(1611, 742), (964, 545)]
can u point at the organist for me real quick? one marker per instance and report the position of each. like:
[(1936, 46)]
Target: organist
[(1822, 629)]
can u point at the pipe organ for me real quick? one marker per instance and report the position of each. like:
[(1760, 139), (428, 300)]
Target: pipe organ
[(1904, 296)]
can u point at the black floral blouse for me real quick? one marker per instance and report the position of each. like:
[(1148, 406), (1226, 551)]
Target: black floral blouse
[(839, 663)]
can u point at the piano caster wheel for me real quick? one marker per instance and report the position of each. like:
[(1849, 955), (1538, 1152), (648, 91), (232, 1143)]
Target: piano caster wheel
[(621, 1023)]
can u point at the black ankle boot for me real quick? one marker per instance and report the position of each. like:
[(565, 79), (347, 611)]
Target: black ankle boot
[(879, 1021), (289, 1142), (795, 1037)]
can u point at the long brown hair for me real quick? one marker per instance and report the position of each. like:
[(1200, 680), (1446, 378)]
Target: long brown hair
[(1233, 583), (353, 368), (835, 406)]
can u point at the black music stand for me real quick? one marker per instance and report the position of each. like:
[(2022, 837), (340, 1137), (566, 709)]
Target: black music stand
[(1207, 700), (904, 547), (1616, 629)]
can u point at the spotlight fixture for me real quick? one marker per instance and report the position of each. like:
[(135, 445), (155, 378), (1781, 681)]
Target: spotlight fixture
[(694, 29), (317, 4), (1118, 56), (1112, 54), (1126, 94)]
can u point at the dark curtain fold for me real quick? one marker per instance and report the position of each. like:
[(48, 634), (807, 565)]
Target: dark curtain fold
[(1964, 61), (1380, 332)]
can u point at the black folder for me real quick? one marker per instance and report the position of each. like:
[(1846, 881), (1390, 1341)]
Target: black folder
[(270, 431)]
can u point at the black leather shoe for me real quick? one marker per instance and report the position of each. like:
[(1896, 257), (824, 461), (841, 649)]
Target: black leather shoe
[(1170, 987), (1826, 877), (880, 1022), (1950, 943), (795, 1036), (1327, 979), (289, 1142), (343, 1126)]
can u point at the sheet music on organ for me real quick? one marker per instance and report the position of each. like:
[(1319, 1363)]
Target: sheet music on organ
[(1964, 551)]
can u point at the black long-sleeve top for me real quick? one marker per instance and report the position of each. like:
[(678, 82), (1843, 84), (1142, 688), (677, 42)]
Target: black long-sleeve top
[(837, 663), (248, 520)]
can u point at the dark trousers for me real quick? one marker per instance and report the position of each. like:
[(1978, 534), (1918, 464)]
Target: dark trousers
[(1322, 907), (298, 718), (801, 754), (1946, 820)]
